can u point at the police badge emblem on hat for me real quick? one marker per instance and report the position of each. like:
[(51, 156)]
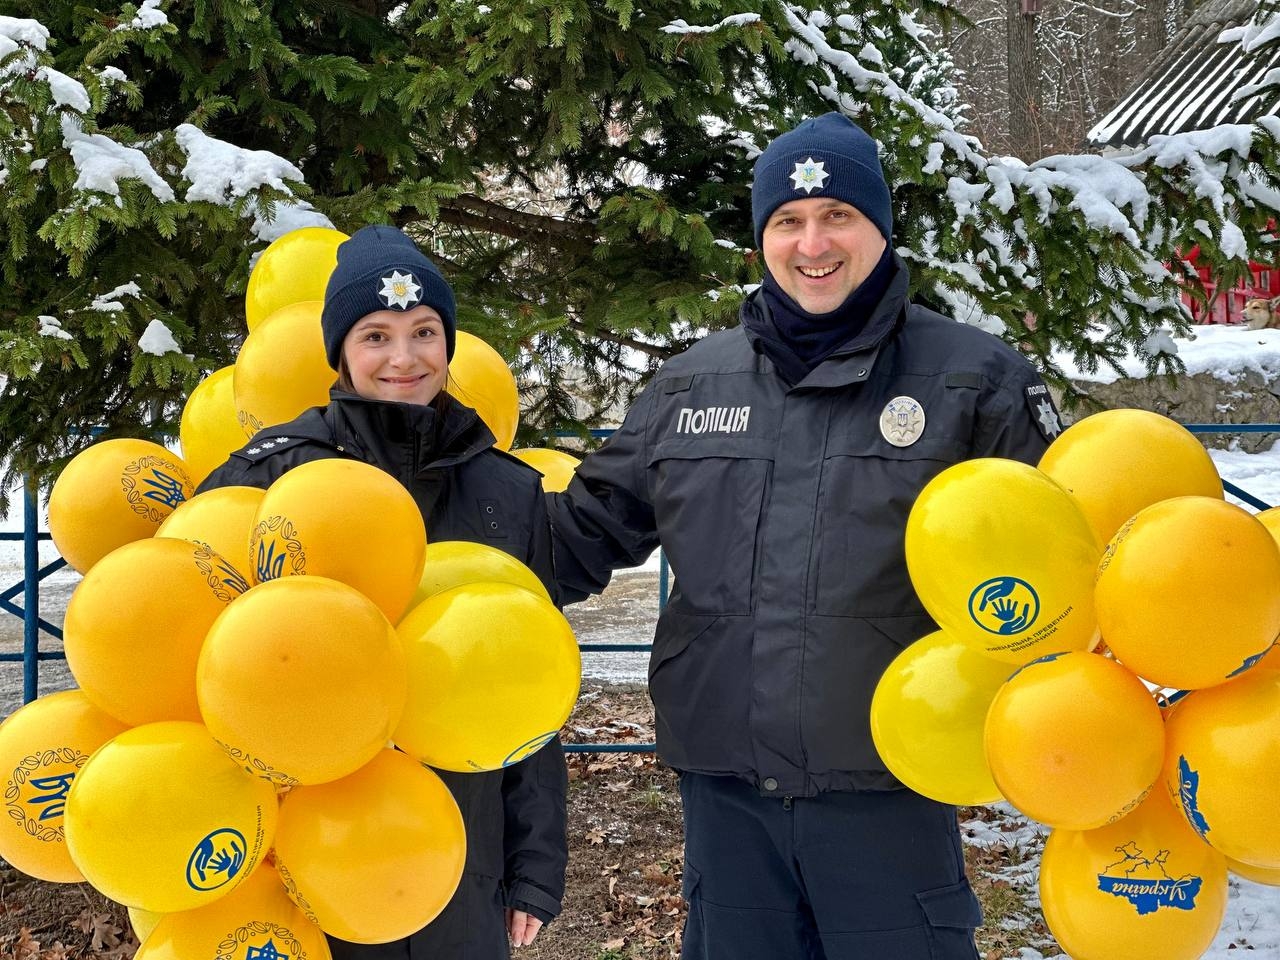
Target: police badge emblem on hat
[(809, 175), (902, 421), (400, 290)]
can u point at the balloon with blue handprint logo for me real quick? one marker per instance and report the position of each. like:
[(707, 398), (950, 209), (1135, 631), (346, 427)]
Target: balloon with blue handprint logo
[(161, 818), (1003, 559)]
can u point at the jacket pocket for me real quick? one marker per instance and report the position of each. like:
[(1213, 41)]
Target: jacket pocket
[(708, 494), (700, 696), (953, 913), (844, 659), (864, 497)]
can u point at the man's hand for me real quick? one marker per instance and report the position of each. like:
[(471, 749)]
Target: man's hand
[(522, 927)]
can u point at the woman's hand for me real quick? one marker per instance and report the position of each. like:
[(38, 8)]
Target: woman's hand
[(522, 927)]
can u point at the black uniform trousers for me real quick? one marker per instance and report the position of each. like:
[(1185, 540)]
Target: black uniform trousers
[(839, 876)]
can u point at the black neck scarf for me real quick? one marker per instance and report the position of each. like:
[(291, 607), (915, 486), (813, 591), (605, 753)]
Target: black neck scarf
[(797, 341)]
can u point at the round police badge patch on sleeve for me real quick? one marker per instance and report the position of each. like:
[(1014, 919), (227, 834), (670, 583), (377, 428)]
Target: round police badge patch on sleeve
[(902, 421)]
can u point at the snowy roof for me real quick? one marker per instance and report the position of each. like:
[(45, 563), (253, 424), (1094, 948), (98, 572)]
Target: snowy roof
[(1190, 84)]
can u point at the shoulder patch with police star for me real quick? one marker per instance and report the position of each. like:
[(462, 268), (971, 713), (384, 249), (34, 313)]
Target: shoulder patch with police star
[(1043, 411), (400, 290), (809, 175), (902, 421)]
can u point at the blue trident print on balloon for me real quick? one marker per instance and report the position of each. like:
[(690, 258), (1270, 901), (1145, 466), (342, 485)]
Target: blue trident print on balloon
[(267, 951), (164, 489), (54, 800), (270, 564), (217, 859), (1004, 605)]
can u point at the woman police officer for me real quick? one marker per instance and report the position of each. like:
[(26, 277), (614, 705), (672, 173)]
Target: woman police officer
[(388, 325)]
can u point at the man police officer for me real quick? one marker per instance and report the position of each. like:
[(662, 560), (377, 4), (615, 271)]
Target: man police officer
[(776, 463)]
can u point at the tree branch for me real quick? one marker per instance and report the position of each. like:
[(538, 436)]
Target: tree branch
[(469, 210), (653, 350)]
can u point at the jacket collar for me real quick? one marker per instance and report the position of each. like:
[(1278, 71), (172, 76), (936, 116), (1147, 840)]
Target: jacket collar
[(406, 436), (852, 362)]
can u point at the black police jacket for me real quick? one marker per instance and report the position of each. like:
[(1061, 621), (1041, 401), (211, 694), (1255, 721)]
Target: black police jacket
[(782, 511), (467, 489)]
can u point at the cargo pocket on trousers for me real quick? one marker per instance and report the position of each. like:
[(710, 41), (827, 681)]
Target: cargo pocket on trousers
[(953, 913)]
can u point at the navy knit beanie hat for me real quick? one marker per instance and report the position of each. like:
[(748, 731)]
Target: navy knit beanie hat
[(826, 156), (379, 268)]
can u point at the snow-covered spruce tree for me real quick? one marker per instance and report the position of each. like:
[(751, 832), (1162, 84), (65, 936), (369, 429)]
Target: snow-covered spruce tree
[(581, 169)]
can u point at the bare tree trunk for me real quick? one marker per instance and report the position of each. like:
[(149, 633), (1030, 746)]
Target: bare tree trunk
[(1024, 79)]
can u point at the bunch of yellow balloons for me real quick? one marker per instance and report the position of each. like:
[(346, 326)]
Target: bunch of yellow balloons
[(245, 658), (1074, 598)]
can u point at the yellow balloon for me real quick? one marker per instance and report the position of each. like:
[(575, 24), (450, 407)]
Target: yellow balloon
[(1074, 740), (1222, 760), (493, 674), (1267, 877), (144, 922), (376, 542), (281, 369), (293, 268), (481, 379), (375, 856), (927, 716), (301, 680), (161, 818), (135, 624), (1143, 888), (113, 493), (209, 430), (1116, 462), (1271, 520), (42, 747), (1003, 559), (1167, 622), (257, 919), (555, 466), (456, 563), (221, 520)]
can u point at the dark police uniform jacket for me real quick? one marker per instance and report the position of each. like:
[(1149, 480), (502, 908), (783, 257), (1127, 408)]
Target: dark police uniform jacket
[(466, 490), (782, 511)]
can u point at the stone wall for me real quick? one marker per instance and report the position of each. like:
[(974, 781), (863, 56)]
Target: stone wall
[(1200, 398)]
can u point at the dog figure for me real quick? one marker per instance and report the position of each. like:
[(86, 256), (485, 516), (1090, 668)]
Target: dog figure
[(1262, 314)]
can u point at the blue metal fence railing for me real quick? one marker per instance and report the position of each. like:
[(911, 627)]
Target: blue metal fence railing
[(33, 573)]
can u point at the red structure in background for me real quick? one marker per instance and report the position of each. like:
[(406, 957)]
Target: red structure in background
[(1228, 304)]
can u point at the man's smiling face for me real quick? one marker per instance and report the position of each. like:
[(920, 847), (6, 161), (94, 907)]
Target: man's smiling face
[(820, 249)]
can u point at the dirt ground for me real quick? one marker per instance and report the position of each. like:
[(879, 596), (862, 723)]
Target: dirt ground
[(623, 900)]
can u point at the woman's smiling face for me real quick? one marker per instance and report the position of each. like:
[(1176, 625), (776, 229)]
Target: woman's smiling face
[(398, 355)]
